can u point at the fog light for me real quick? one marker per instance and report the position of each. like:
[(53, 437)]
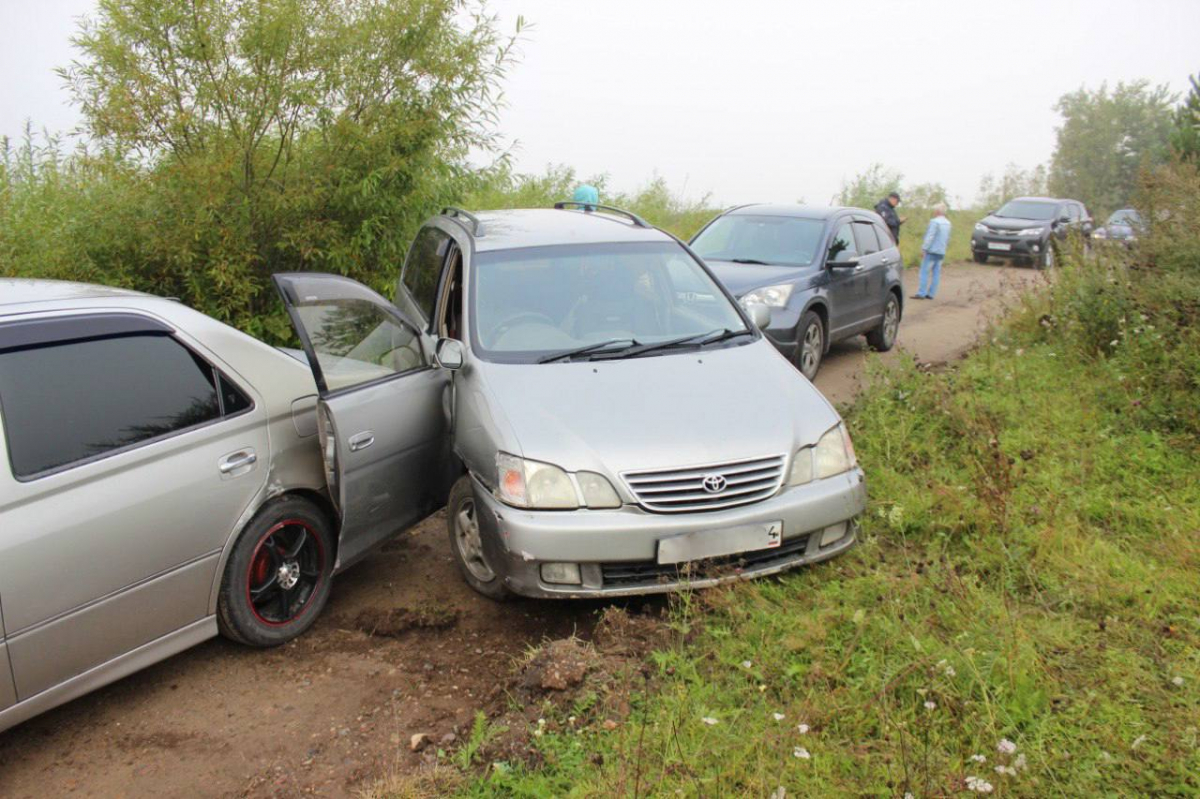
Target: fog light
[(972, 242), (561, 573), (830, 535)]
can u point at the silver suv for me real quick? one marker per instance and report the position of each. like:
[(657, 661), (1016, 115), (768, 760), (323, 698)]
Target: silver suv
[(620, 424)]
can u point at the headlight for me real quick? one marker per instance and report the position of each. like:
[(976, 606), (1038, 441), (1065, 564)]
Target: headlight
[(597, 491), (833, 455), (1100, 234), (772, 296), (532, 484), (1031, 231), (982, 228)]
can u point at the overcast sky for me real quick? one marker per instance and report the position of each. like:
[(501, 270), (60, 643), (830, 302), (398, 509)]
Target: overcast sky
[(767, 100)]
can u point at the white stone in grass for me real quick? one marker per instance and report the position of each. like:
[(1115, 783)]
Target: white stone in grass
[(1177, 681), (802, 729), (746, 664), (777, 716), (710, 721), (1006, 747), (979, 758), (801, 753), (930, 705)]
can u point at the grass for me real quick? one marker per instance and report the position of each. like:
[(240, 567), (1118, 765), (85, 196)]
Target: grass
[(1021, 617)]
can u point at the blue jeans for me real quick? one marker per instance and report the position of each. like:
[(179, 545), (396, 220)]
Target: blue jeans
[(932, 263)]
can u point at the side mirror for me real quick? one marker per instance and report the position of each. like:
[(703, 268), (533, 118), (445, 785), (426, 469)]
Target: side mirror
[(760, 314), (1064, 220), (845, 263), (449, 353)]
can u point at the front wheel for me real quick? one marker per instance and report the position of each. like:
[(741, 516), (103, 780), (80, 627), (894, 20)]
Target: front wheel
[(1046, 261), (467, 545), (810, 345), (277, 578), (883, 338)]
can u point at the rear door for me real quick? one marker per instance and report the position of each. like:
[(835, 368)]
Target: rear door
[(130, 459), (874, 257), (380, 415)]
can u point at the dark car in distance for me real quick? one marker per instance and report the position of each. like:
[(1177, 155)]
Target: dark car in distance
[(826, 274), (1025, 229), (1122, 227)]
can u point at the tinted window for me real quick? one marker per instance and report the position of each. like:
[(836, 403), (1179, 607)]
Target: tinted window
[(842, 246), (424, 267), (1072, 212), (68, 402), (357, 341), (232, 399), (864, 236), (776, 240), (884, 235)]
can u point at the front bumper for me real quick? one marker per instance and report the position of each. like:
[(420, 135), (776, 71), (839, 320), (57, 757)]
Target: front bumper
[(1018, 246), (617, 549)]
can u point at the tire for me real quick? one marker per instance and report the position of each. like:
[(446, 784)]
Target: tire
[(810, 344), (883, 338), (277, 579), (980, 257), (468, 546), (1046, 259)]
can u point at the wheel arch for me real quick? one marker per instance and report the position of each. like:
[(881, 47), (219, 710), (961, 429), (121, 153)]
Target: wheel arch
[(317, 498), (819, 307)]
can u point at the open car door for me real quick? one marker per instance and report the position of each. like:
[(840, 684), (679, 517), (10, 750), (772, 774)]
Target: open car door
[(380, 416)]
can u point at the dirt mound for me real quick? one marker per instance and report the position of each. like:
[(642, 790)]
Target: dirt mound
[(559, 665), (395, 622)]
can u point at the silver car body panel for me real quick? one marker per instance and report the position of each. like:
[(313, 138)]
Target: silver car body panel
[(147, 655)]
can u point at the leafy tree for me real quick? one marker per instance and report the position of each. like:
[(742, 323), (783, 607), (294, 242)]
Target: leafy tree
[(1015, 182), (1185, 135), (273, 135), (869, 187), (925, 195), (1106, 138)]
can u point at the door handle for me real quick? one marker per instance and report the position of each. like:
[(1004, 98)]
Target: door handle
[(237, 460), (361, 440)]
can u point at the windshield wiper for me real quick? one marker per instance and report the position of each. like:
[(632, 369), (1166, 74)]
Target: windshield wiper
[(568, 354), (699, 339), (754, 261)]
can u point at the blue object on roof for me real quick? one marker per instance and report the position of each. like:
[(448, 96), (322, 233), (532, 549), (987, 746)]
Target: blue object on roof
[(586, 193)]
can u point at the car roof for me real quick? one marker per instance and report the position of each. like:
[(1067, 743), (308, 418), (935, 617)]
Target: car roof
[(1041, 200), (543, 227), (18, 290), (797, 210)]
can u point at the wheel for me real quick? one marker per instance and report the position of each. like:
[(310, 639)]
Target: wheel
[(467, 544), (1046, 261), (883, 338), (981, 257), (277, 579), (810, 345)]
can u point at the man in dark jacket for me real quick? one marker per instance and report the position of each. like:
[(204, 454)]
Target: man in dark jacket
[(887, 209)]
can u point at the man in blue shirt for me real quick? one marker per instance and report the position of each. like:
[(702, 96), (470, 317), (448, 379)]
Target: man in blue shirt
[(933, 250)]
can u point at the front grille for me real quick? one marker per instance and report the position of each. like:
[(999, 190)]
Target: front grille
[(683, 489), (649, 572)]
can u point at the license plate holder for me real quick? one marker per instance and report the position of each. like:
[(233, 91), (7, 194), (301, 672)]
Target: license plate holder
[(999, 245), (703, 544)]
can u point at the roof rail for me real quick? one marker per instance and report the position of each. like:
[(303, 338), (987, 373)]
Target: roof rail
[(476, 225), (632, 217)]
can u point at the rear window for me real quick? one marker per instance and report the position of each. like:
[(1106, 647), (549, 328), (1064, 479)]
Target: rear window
[(864, 234), (71, 402)]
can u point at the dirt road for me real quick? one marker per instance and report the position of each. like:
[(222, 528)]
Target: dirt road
[(403, 648)]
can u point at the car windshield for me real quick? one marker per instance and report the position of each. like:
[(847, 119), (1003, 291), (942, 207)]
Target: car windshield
[(1028, 209), (774, 240), (530, 303), (1126, 216)]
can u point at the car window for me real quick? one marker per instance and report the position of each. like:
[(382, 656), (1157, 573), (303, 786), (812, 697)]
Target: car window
[(423, 268), (865, 238), (884, 235), (70, 402), (532, 301), (357, 341), (1028, 209), (1072, 212), (842, 246), (233, 400), (774, 240)]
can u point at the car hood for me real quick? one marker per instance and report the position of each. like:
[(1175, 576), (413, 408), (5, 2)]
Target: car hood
[(1013, 223), (1119, 231), (741, 278), (694, 408)]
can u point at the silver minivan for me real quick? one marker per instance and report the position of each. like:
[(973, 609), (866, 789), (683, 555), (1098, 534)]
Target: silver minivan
[(619, 422)]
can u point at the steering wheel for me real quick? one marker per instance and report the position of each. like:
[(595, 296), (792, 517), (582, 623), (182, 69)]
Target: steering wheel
[(524, 316)]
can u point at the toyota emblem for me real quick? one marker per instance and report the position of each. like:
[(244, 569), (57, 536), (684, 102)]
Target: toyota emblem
[(714, 483)]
